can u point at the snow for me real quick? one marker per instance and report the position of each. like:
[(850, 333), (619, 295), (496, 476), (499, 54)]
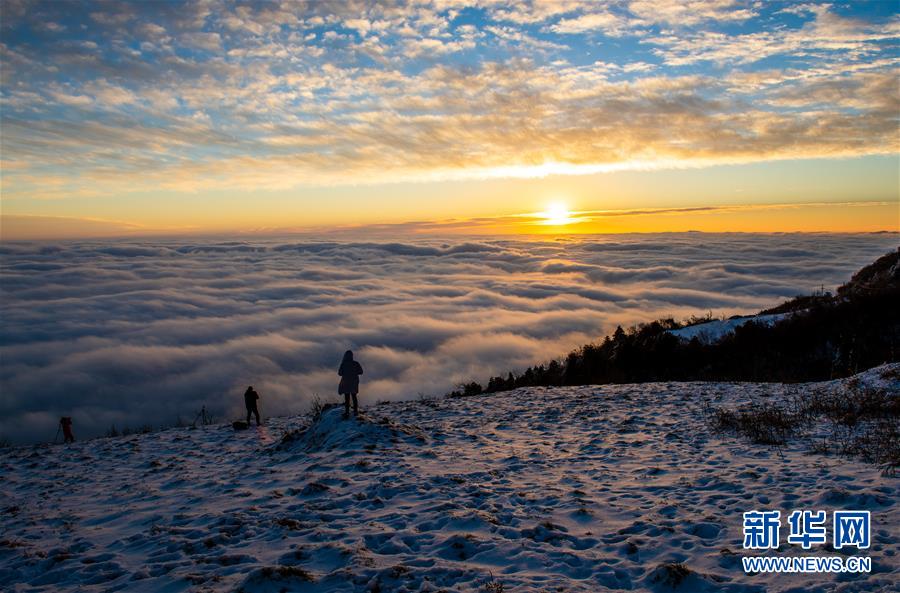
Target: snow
[(713, 331), (574, 489)]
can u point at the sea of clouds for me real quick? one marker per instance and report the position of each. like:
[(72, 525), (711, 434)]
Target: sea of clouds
[(143, 331)]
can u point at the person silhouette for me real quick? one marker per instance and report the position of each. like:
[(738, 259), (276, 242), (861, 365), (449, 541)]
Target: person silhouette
[(350, 370), (250, 399), (66, 423)]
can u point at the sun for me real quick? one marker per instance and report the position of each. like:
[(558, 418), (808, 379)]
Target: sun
[(557, 214)]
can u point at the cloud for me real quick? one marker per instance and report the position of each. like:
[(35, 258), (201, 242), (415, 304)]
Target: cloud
[(686, 13), (197, 97), (817, 39), (536, 11), (134, 331), (595, 21), (201, 40)]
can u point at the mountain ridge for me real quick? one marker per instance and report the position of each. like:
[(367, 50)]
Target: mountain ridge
[(824, 337)]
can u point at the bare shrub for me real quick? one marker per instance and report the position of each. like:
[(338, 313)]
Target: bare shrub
[(316, 408), (762, 425), (878, 443), (861, 421), (494, 586), (671, 574)]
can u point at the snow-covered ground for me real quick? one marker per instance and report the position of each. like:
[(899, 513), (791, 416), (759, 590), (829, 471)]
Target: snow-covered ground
[(569, 489), (713, 331)]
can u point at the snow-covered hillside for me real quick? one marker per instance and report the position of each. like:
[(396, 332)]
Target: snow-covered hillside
[(567, 489), (713, 331)]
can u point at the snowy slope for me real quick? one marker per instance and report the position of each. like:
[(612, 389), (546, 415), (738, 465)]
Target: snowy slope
[(569, 489), (713, 331)]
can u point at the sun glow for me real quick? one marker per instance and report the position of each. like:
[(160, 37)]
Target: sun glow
[(557, 214)]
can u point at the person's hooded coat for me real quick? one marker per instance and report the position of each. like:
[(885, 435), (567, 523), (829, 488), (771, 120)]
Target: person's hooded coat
[(250, 397), (350, 370)]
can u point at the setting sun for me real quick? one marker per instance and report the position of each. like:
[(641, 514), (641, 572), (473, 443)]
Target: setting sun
[(557, 214)]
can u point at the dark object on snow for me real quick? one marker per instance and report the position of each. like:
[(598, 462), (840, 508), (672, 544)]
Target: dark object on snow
[(250, 399), (66, 424), (350, 370), (240, 425), (204, 418)]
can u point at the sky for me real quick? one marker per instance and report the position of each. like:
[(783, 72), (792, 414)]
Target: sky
[(127, 119), (143, 331)]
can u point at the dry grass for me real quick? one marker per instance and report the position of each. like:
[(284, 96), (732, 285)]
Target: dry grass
[(762, 425), (858, 420), (671, 574), (494, 586)]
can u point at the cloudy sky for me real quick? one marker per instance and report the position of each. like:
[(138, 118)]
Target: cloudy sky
[(167, 117), (143, 331)]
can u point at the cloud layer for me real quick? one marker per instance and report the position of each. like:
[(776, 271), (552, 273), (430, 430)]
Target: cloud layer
[(144, 331), (110, 98)]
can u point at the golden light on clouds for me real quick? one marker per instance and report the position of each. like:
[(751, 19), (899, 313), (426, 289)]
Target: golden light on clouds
[(244, 115)]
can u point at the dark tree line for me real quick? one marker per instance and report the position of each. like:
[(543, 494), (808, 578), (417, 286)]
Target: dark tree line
[(825, 337)]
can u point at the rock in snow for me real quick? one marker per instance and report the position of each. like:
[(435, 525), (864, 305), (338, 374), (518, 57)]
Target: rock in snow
[(578, 489)]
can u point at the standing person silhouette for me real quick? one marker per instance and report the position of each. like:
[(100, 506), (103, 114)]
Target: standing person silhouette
[(250, 399), (350, 370), (66, 423)]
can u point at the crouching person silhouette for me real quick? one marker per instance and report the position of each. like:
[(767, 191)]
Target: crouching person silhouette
[(250, 399), (350, 370)]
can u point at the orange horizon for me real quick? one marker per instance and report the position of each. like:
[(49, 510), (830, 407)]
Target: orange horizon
[(853, 217)]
